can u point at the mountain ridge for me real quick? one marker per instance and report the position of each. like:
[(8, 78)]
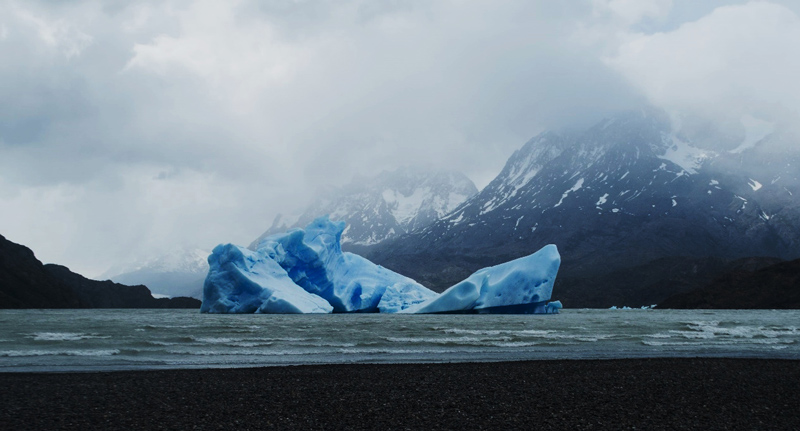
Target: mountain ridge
[(622, 193)]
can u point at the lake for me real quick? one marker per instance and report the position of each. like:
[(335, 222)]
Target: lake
[(91, 340)]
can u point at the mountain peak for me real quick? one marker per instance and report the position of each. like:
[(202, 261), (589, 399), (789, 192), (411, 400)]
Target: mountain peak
[(386, 205)]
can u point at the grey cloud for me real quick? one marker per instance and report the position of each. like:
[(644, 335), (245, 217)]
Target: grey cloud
[(195, 122)]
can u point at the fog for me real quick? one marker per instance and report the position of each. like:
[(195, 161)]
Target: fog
[(130, 128)]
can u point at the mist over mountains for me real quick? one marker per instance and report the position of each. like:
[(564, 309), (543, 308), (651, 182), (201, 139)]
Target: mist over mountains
[(375, 209), (385, 206), (641, 206), (144, 125), (178, 273), (626, 192)]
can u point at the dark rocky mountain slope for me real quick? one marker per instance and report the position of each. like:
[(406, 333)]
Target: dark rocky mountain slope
[(653, 282), (26, 283), (773, 287)]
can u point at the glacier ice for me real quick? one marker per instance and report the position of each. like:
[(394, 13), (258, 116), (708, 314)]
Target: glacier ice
[(313, 259), (306, 271), (553, 307), (522, 285), (399, 297), (242, 281)]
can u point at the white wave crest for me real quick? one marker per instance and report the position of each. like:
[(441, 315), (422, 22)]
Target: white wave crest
[(22, 353), (65, 336)]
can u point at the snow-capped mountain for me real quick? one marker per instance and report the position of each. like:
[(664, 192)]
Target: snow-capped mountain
[(178, 273), (384, 206), (635, 167), (626, 192)]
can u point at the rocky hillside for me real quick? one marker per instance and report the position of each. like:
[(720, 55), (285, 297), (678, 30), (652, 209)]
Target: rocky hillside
[(773, 287), (26, 283)]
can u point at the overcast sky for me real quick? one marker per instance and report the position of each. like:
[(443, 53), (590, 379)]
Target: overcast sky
[(129, 127)]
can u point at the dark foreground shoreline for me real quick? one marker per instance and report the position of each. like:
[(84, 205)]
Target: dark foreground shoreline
[(569, 394)]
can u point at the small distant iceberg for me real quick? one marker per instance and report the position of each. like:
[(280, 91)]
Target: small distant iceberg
[(643, 307), (305, 271)]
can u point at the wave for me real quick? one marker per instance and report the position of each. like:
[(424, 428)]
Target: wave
[(335, 344), (155, 327), (524, 332), (444, 340), (247, 352), (214, 340), (549, 334), (398, 351), (239, 342), (515, 344), (550, 337), (711, 329), (65, 336), (22, 353), (722, 342), (159, 343), (228, 340), (249, 344)]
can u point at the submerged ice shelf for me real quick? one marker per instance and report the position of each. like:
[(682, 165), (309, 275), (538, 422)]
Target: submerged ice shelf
[(306, 271)]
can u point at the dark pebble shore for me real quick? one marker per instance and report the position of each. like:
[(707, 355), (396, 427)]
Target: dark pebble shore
[(644, 394)]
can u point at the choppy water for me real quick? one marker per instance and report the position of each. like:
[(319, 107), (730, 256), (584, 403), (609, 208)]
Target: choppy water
[(85, 340)]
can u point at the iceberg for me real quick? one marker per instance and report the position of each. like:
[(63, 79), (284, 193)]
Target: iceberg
[(400, 297), (242, 281), (520, 286), (306, 271), (553, 307), (314, 260)]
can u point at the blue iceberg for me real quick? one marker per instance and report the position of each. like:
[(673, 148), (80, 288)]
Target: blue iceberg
[(306, 271), (242, 281), (520, 286), (314, 260)]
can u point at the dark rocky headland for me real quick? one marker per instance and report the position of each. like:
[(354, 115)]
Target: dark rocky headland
[(27, 283)]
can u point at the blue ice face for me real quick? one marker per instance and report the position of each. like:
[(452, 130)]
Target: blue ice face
[(314, 260), (242, 281), (525, 281), (305, 271)]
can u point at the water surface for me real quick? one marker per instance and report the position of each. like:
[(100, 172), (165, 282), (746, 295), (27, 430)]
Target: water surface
[(88, 340)]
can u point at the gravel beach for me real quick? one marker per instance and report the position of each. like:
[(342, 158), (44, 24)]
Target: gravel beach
[(570, 394)]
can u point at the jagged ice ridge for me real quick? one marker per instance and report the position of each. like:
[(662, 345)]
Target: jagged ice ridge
[(305, 271)]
